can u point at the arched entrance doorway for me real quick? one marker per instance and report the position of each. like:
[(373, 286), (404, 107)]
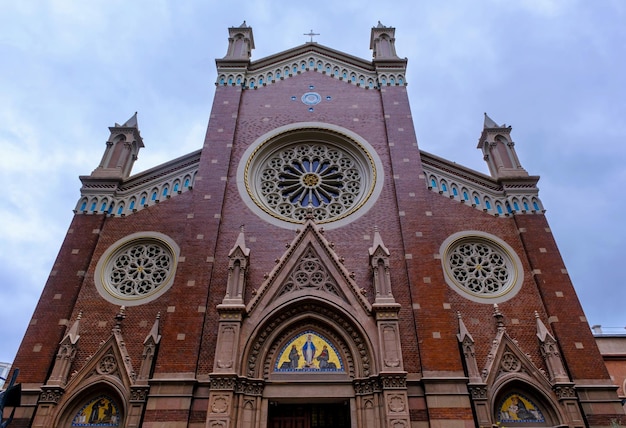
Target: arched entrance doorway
[(309, 415)]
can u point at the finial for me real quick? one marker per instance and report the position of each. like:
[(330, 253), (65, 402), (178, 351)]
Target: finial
[(498, 316), (311, 34), (489, 123), (536, 314), (309, 212), (119, 317), (80, 315)]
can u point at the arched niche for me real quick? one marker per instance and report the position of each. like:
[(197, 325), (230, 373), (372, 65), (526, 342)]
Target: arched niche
[(99, 405), (289, 326), (519, 404)]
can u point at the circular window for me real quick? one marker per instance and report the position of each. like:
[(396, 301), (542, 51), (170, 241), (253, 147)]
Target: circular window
[(311, 98), (137, 269), (330, 172), (481, 267)]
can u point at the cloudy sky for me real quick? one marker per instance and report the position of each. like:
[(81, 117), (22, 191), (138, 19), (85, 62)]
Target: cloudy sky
[(555, 70)]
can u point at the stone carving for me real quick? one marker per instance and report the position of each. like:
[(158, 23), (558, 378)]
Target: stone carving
[(366, 386), (50, 395), (478, 391), (139, 393), (390, 346), (565, 391), (396, 403), (394, 382), (398, 423), (250, 387), (510, 363), (310, 273), (107, 364), (223, 383), (220, 404)]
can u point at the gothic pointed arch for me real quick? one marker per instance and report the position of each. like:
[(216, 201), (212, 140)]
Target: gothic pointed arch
[(106, 391), (309, 316), (512, 389), (98, 393)]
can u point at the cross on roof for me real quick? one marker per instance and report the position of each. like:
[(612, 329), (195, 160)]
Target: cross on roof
[(311, 34)]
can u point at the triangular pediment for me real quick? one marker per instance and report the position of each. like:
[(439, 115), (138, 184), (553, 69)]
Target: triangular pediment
[(309, 268), (507, 359), (111, 362), (310, 274), (311, 57)]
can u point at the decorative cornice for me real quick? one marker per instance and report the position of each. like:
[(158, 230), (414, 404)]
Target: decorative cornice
[(502, 197), (311, 57), (176, 175)]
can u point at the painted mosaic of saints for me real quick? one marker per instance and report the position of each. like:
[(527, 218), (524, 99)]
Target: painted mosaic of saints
[(517, 408), (309, 351), (100, 412)]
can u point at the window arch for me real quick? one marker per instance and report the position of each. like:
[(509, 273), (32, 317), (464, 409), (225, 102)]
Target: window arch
[(99, 406), (536, 205), (520, 404)]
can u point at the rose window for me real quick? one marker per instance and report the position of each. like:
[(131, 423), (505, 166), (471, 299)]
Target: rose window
[(329, 179), (137, 269), (308, 169), (481, 267)]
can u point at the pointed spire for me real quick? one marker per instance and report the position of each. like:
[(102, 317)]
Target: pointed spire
[(489, 123), (132, 122), (383, 43), (542, 331), (499, 151), (463, 332), (119, 317), (498, 316), (378, 243), (72, 334), (154, 331), (240, 244), (240, 44), (122, 150)]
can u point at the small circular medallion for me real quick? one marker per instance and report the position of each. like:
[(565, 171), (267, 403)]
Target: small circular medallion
[(311, 98), (310, 180)]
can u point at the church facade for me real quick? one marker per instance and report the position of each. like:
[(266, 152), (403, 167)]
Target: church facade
[(309, 266)]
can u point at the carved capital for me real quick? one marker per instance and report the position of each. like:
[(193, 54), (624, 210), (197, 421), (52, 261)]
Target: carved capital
[(565, 391), (366, 386), (250, 386), (223, 383), (139, 393), (397, 381), (478, 392), (51, 395)]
